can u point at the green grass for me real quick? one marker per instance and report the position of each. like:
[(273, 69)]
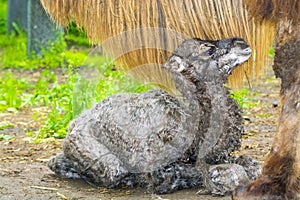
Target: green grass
[(5, 137), (4, 125), (244, 98), (63, 99), (10, 90)]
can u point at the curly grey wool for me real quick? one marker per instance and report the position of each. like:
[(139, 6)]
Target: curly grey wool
[(155, 140)]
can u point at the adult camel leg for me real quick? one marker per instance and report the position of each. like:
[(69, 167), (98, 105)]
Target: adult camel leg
[(280, 178)]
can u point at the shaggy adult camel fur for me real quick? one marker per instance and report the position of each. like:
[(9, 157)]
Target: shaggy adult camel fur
[(121, 24), (281, 170)]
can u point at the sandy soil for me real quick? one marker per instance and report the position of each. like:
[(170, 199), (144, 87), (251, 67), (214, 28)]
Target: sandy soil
[(23, 164)]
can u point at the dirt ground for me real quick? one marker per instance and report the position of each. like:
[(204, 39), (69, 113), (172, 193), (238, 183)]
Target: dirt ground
[(23, 164)]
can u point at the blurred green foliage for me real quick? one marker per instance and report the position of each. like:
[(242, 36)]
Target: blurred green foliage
[(3, 8), (244, 99), (76, 36), (13, 54), (58, 87)]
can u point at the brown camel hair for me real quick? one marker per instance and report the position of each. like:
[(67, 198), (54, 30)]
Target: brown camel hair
[(108, 22), (105, 20), (281, 170)]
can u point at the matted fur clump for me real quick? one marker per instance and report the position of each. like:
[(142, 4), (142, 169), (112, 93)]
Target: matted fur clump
[(138, 32)]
